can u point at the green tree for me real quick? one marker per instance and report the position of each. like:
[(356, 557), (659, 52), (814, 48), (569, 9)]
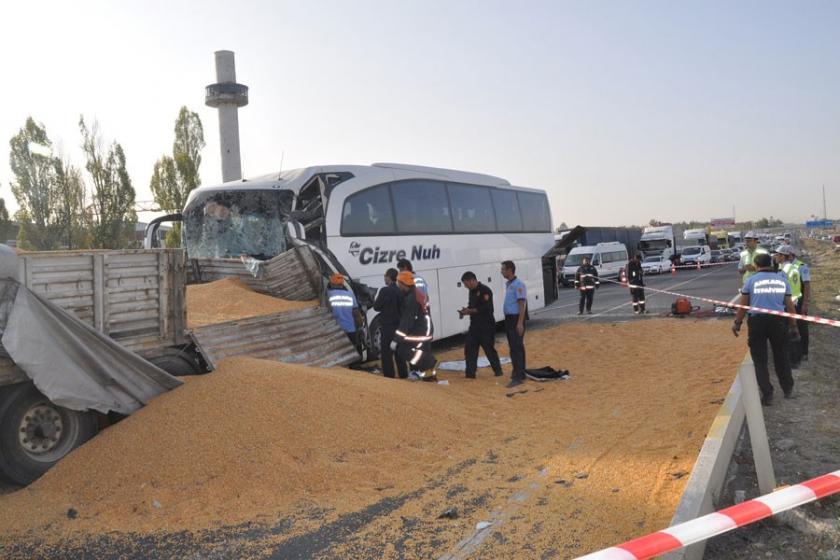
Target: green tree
[(35, 171), (173, 178), (112, 196), (71, 208), (8, 229)]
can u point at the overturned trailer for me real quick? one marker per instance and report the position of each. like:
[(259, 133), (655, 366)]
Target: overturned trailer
[(85, 333)]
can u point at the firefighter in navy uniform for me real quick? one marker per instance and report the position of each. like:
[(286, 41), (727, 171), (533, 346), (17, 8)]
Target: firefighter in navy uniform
[(636, 282), (389, 304), (413, 337), (482, 331), (586, 280)]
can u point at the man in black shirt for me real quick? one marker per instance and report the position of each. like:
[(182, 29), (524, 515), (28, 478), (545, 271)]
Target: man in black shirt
[(389, 304), (482, 331)]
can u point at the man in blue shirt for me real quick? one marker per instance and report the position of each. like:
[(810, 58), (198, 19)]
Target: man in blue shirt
[(344, 307), (516, 307), (771, 291)]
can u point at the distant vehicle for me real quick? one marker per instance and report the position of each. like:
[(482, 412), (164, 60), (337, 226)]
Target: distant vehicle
[(608, 258), (836, 239), (717, 255), (719, 239), (658, 241), (693, 255), (733, 255), (735, 238), (656, 265), (696, 237)]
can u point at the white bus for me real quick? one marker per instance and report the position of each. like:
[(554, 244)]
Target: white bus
[(365, 218)]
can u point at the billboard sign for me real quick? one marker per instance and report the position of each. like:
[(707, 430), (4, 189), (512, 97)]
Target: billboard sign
[(722, 222)]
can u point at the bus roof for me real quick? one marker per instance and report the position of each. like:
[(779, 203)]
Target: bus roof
[(294, 179)]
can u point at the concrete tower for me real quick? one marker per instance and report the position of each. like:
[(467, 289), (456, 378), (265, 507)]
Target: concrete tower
[(227, 96)]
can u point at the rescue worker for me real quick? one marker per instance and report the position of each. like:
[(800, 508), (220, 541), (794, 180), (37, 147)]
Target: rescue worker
[(799, 277), (586, 280), (516, 311), (413, 337), (746, 268), (345, 309), (768, 290), (482, 331), (636, 282), (404, 265), (389, 305)]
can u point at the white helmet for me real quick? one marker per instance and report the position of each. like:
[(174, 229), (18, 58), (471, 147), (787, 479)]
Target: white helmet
[(751, 235), (786, 250)]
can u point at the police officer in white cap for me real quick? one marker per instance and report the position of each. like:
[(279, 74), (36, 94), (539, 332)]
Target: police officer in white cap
[(746, 267)]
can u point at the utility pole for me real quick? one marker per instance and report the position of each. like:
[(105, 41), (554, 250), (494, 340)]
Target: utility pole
[(825, 213)]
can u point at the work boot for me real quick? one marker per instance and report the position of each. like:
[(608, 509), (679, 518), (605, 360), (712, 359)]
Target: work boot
[(767, 400), (498, 373), (514, 383), (468, 376), (789, 393), (580, 312), (589, 312)]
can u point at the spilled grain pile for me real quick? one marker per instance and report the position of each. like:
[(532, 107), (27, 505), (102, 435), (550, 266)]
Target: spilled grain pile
[(565, 466), (230, 299)]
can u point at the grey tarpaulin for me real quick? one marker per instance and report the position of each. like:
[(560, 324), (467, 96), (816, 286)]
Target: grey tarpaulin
[(74, 365)]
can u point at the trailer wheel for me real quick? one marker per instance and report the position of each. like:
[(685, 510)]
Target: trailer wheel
[(35, 433), (176, 362), (375, 346)]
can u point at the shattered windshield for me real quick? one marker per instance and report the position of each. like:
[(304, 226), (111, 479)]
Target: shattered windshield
[(228, 224)]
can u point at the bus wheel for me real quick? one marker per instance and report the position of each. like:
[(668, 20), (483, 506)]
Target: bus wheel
[(375, 346), (35, 433)]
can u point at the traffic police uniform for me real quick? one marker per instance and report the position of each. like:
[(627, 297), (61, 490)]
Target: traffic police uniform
[(482, 331), (747, 258), (767, 289), (515, 292), (586, 280), (636, 281), (797, 273)]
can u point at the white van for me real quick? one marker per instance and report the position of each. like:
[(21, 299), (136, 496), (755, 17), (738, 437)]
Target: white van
[(697, 254), (608, 258)]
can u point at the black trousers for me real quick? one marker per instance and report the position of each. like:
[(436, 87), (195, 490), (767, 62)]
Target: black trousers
[(586, 297), (638, 295), (764, 328), (802, 326), (387, 356), (517, 346), (486, 340), (418, 355)]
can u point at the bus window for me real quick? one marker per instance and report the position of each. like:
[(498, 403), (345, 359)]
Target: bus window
[(421, 206), (507, 210), (535, 213), (368, 212), (472, 210)]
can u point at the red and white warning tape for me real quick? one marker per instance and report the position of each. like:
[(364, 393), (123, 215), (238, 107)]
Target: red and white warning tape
[(809, 318), (708, 526)]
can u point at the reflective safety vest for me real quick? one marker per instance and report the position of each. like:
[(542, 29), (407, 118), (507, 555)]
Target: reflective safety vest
[(747, 258), (341, 303), (791, 270)]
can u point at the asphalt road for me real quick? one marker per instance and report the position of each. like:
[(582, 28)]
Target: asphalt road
[(612, 302)]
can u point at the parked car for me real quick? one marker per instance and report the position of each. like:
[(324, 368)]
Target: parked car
[(656, 264), (733, 255), (717, 255)]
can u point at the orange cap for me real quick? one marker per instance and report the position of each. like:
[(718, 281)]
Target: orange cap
[(406, 277), (337, 279)]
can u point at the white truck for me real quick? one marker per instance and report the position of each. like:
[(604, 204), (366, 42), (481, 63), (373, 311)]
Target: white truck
[(658, 241), (696, 237)]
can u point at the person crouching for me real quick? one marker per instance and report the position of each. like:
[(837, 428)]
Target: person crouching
[(413, 337)]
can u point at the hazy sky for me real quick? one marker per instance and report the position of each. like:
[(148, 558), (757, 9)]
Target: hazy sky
[(624, 111)]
